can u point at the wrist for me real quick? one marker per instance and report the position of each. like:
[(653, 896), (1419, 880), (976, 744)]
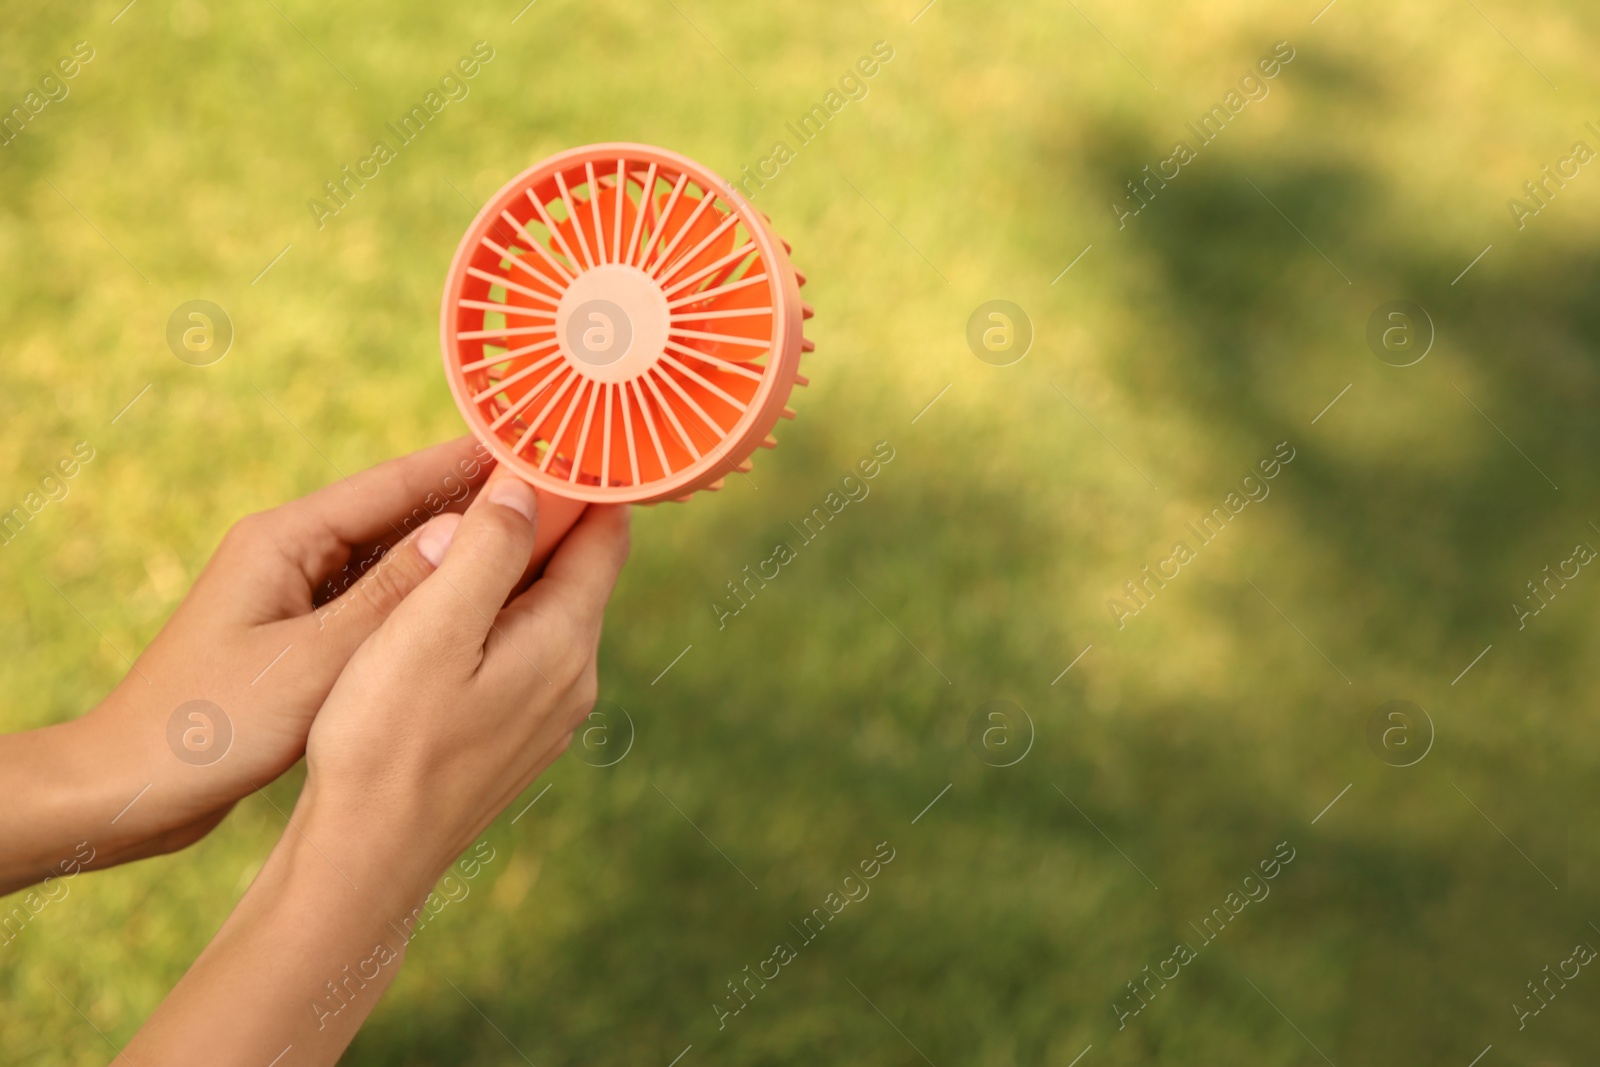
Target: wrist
[(145, 790), (68, 787), (390, 859), (99, 790), (311, 947)]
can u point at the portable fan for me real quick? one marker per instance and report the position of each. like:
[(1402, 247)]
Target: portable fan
[(619, 325)]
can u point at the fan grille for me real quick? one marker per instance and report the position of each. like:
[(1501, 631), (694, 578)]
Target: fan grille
[(619, 326)]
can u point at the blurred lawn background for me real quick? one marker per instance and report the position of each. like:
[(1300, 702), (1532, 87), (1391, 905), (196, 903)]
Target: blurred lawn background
[(983, 160)]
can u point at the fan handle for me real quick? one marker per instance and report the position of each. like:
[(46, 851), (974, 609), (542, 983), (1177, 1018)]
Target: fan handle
[(557, 515)]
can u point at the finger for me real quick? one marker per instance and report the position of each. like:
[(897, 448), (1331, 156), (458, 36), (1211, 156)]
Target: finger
[(486, 557), (579, 578), (339, 626), (362, 556), (388, 501)]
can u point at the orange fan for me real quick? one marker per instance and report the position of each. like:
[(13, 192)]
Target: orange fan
[(619, 325)]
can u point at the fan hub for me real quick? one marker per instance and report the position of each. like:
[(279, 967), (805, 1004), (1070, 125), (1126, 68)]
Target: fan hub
[(612, 323)]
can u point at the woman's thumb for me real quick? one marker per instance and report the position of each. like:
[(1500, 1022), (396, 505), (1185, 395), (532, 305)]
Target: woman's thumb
[(349, 619)]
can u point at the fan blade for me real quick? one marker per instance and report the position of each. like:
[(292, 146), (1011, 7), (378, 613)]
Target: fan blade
[(704, 225), (756, 326), (601, 240)]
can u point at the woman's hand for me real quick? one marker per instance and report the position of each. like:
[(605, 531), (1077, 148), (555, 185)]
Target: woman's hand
[(463, 695), (462, 698), (259, 641)]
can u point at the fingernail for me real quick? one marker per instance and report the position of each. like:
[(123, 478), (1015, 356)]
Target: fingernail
[(436, 536), (516, 494)]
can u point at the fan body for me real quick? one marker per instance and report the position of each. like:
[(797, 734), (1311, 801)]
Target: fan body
[(619, 326)]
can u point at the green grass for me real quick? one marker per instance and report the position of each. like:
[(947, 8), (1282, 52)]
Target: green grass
[(983, 160)]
